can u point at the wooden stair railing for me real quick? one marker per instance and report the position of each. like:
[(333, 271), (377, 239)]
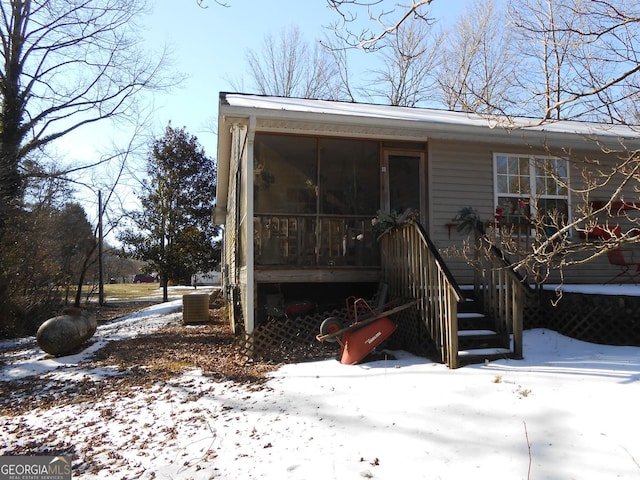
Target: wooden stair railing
[(413, 268), (502, 290)]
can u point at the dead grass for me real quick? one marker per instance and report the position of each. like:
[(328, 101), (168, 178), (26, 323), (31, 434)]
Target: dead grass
[(143, 362), (137, 291), (172, 350)]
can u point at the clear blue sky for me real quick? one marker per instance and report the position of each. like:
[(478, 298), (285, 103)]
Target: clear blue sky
[(209, 47)]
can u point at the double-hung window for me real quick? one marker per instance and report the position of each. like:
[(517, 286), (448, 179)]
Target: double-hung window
[(530, 186)]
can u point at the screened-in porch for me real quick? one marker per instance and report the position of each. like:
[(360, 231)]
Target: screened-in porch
[(315, 198)]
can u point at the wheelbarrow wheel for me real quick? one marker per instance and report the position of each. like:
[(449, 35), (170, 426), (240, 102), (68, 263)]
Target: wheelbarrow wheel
[(330, 325)]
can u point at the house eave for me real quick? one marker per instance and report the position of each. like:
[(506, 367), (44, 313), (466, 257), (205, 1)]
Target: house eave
[(276, 114), (219, 213)]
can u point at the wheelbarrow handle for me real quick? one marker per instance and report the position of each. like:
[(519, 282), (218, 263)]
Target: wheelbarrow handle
[(369, 320)]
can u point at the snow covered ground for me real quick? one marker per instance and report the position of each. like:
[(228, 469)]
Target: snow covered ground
[(569, 410)]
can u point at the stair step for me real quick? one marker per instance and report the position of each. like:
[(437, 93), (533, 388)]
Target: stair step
[(475, 333), (483, 352), (480, 339), (468, 305), (483, 355), (474, 321)]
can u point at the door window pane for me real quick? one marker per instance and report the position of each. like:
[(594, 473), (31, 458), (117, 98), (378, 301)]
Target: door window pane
[(404, 182)]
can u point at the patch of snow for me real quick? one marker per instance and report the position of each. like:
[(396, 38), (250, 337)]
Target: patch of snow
[(631, 290), (33, 361), (567, 410), (467, 333)]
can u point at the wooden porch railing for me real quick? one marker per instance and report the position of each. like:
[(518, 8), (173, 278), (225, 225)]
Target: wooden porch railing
[(315, 241), (413, 268), (502, 291)]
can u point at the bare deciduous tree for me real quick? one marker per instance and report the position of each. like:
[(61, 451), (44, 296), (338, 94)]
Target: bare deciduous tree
[(65, 64), (409, 59), (340, 56), (582, 63), (582, 57), (549, 45), (478, 62), (288, 66)]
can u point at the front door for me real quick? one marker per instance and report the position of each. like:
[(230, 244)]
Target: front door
[(403, 182)]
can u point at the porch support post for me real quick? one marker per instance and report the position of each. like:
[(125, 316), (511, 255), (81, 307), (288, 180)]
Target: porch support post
[(452, 329), (518, 313), (249, 226)]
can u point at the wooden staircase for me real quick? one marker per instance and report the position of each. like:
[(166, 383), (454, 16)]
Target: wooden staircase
[(479, 338), (464, 331)]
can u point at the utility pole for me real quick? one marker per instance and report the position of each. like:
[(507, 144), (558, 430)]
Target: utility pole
[(100, 274)]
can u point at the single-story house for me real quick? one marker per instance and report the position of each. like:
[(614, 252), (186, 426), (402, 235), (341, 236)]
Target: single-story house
[(300, 181)]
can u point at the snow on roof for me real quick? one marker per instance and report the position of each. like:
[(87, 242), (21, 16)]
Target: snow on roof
[(425, 115)]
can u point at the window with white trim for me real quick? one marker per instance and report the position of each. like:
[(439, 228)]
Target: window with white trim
[(527, 186)]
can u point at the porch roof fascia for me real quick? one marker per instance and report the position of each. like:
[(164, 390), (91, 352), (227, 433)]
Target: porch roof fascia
[(219, 214), (429, 123)]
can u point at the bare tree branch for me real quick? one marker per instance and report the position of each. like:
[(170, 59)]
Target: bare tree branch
[(65, 68), (289, 66), (385, 21), (409, 58)]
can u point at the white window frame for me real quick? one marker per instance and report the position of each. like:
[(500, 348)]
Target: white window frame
[(532, 159)]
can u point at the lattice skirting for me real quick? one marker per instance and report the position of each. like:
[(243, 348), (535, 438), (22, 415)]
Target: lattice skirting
[(412, 334), (604, 319), (281, 340), (611, 320), (289, 340)]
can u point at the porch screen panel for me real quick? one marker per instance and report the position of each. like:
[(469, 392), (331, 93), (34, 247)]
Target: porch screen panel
[(349, 177), (285, 171)]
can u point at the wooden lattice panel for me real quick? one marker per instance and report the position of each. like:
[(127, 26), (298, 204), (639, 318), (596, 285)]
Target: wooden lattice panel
[(605, 319), (534, 314), (412, 334), (289, 340)]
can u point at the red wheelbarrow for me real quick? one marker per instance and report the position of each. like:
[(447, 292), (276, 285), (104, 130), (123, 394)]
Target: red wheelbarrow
[(366, 330)]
